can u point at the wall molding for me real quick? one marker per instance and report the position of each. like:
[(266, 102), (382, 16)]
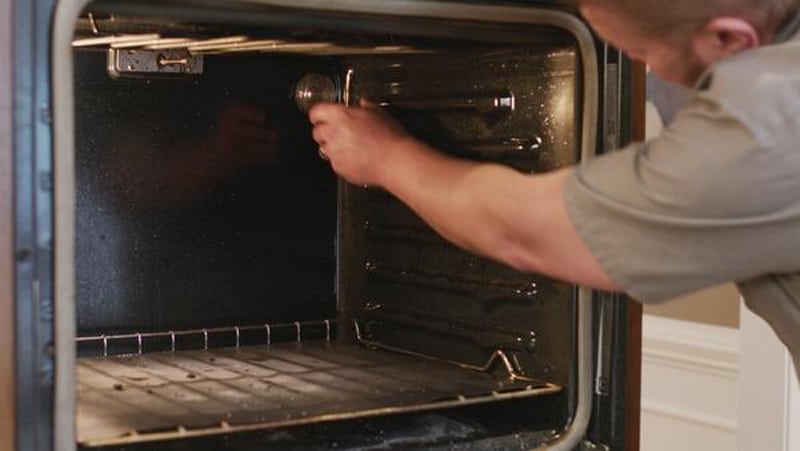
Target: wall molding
[(690, 385), (689, 415), (690, 345)]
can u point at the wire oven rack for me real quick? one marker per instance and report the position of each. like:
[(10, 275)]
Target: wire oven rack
[(127, 393)]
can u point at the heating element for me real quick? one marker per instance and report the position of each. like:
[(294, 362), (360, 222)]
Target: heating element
[(145, 396)]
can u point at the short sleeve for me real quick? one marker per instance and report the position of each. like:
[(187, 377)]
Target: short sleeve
[(706, 202)]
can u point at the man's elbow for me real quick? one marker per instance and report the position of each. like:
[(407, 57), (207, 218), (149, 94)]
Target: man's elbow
[(520, 258)]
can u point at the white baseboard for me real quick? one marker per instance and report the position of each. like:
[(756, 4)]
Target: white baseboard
[(690, 386)]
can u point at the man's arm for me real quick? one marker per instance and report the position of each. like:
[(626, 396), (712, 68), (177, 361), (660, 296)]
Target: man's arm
[(518, 219)]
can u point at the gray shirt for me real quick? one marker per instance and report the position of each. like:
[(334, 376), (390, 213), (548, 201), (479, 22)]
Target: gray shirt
[(714, 198)]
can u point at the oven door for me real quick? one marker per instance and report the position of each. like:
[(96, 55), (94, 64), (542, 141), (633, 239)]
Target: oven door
[(602, 376)]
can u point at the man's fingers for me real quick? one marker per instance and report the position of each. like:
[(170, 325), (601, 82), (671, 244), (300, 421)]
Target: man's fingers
[(325, 112), (367, 103), (321, 133)]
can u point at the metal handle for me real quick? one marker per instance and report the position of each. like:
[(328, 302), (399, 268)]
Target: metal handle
[(483, 103)]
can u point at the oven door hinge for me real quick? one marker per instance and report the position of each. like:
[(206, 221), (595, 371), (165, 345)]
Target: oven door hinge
[(138, 63), (586, 445), (611, 104)]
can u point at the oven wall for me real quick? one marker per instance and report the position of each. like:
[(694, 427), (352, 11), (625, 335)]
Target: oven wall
[(413, 290), (200, 202)]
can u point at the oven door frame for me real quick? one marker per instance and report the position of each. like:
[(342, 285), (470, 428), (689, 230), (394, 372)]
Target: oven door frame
[(43, 297), (7, 354)]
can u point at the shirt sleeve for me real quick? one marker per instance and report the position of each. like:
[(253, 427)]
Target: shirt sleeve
[(706, 202)]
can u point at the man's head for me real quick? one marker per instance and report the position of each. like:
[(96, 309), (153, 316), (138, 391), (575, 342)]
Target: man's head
[(679, 39)]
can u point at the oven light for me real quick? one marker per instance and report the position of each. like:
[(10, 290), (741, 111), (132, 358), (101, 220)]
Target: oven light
[(314, 88)]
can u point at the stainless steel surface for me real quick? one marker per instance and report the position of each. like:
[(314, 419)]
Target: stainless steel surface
[(192, 393), (575, 432), (138, 63), (611, 142), (612, 106), (8, 405), (602, 380)]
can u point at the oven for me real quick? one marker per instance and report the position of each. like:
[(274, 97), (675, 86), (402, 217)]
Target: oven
[(185, 271)]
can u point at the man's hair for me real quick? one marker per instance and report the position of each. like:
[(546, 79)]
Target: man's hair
[(676, 16)]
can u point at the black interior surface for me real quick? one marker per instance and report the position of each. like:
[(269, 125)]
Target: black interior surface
[(184, 223)]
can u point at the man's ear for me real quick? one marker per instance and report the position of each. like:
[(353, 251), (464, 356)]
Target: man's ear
[(724, 37)]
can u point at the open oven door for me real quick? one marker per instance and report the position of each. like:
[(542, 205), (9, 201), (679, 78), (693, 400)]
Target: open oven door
[(590, 351)]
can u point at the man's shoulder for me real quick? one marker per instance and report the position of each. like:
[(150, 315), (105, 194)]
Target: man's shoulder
[(765, 69), (761, 87)]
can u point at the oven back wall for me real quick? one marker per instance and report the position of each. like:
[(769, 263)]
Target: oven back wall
[(411, 289), (200, 202)]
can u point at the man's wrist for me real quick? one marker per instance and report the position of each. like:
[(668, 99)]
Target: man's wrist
[(399, 159)]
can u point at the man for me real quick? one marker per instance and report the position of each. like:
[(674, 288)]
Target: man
[(714, 198)]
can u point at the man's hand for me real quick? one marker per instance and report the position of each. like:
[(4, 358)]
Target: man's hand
[(360, 142)]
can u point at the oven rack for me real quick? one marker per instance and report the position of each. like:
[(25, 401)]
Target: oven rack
[(197, 41), (134, 343), (159, 396), (146, 395), (204, 338)]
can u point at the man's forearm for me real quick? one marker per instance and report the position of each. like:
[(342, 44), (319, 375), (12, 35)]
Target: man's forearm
[(474, 205)]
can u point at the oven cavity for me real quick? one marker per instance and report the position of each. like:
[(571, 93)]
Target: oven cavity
[(151, 394), (228, 282)]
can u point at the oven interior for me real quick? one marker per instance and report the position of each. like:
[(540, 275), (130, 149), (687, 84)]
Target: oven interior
[(232, 290)]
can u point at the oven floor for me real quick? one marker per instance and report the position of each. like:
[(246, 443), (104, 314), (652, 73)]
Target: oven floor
[(164, 395)]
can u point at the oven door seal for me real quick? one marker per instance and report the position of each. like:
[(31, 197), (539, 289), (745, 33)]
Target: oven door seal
[(67, 11)]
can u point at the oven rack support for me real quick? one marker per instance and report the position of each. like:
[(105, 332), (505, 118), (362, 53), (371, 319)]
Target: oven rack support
[(499, 355), (499, 358), (199, 393), (295, 328)]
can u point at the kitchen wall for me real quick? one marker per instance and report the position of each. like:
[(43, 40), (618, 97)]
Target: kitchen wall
[(717, 306)]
